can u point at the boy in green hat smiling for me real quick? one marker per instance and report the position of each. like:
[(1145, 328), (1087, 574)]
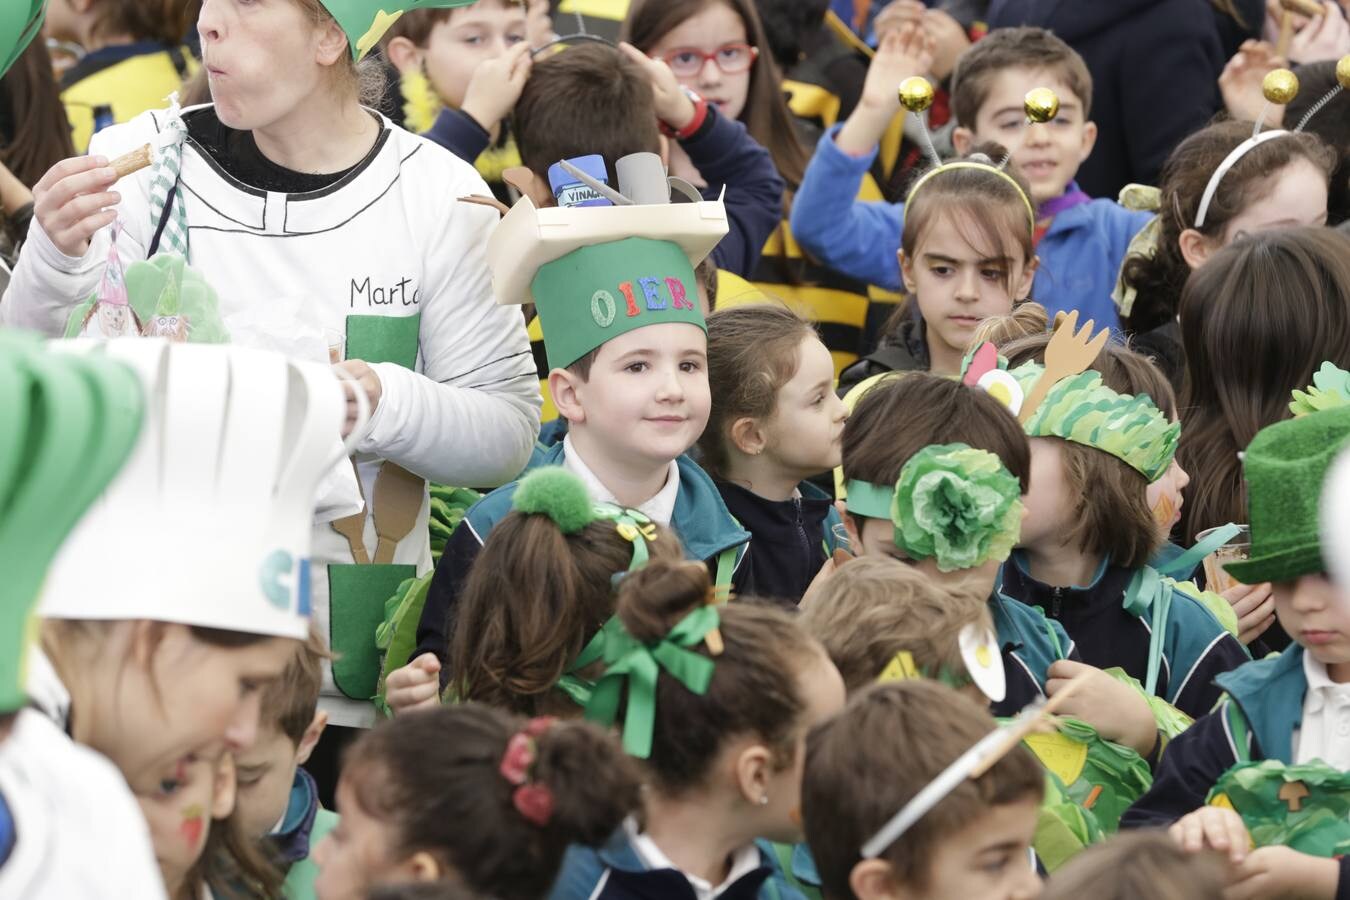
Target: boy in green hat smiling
[(1268, 767), (627, 351)]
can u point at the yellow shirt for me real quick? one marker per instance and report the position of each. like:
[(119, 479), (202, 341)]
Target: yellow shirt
[(128, 87)]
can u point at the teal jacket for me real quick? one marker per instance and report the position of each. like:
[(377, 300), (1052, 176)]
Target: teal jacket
[(701, 520), (1030, 643)]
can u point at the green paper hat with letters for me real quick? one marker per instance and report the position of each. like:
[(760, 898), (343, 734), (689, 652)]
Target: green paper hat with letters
[(596, 272), (366, 21), (1081, 409), (68, 422), (1285, 466), (20, 21)]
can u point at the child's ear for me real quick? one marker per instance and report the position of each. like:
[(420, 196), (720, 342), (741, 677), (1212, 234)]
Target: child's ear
[(851, 527), (874, 879), (1028, 276), (962, 140), (422, 866), (565, 388), (1195, 248), (331, 43), (754, 771), (1089, 141), (405, 55), (223, 788), (906, 270), (747, 437), (311, 737)]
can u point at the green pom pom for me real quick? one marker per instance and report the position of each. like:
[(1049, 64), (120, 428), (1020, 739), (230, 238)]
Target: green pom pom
[(555, 492)]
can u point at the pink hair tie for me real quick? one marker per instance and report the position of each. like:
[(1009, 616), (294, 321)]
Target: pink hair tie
[(533, 800)]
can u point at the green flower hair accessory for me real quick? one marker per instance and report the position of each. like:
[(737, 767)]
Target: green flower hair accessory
[(555, 492), (1081, 409), (957, 505), (1330, 389), (638, 664)]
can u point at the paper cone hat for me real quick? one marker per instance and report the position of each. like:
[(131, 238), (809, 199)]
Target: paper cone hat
[(595, 273), (366, 21), (209, 523), (67, 424), (20, 21)]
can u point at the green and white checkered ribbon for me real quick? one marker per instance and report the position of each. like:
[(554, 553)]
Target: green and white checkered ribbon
[(163, 180)]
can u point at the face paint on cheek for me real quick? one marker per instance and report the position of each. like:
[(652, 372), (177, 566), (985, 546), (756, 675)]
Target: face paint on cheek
[(193, 825), (795, 814), (1164, 511)]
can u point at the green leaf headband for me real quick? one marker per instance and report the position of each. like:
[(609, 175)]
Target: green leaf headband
[(640, 664), (1330, 389), (952, 503)]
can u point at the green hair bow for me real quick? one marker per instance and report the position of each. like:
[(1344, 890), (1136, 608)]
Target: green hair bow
[(640, 664)]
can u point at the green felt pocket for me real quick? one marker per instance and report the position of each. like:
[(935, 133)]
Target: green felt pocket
[(377, 339), (356, 598)]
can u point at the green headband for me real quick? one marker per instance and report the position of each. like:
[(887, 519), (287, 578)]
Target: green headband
[(1081, 409), (594, 294), (365, 21), (68, 422), (952, 503), (1330, 389), (20, 21), (639, 664)]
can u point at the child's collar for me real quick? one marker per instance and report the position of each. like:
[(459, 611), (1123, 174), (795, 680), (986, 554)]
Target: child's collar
[(660, 507), (1073, 196)]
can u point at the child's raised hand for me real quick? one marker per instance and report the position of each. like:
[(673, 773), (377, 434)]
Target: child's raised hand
[(538, 24), (415, 686), (903, 52), (1215, 828), (1240, 82), (949, 41), (673, 105), (1325, 37), (1117, 711), (895, 15), (72, 202), (496, 86), (1254, 606), (1280, 872)]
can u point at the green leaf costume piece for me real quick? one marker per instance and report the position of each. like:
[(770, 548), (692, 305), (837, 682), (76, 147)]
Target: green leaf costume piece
[(1330, 389), (1305, 807)]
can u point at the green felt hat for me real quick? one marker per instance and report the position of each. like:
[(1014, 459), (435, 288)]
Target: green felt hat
[(1081, 409), (1285, 466), (68, 421), (366, 21), (20, 21)]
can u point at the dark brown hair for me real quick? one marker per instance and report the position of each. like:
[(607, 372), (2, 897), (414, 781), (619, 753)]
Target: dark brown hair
[(1159, 279), (1256, 321), (586, 99), (766, 115), (1139, 864), (289, 703), (1112, 518), (876, 606), (752, 353), (904, 414), (1015, 48), (36, 132), (865, 764), (532, 600), (1331, 124), (163, 21), (754, 688), (433, 776), (235, 866)]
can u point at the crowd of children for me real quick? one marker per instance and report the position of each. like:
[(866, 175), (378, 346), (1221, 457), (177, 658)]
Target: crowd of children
[(690, 449)]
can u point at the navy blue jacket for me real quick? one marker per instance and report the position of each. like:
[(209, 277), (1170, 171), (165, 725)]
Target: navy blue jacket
[(1269, 695), (626, 877), (1195, 649), (1155, 66), (701, 520), (792, 538)]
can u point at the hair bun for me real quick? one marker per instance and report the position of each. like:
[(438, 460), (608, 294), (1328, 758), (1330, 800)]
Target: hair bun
[(652, 600), (555, 492)]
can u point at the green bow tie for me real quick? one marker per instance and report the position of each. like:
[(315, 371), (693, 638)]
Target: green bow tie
[(640, 664)]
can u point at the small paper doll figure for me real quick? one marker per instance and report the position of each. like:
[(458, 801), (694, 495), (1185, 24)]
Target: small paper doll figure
[(168, 320), (111, 314)]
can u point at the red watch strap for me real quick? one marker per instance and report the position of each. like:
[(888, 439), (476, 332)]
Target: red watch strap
[(688, 131)]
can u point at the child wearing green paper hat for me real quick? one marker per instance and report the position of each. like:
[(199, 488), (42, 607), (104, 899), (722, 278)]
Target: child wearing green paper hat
[(718, 700), (901, 453), (69, 826), (1268, 766), (1085, 552), (627, 346), (326, 231)]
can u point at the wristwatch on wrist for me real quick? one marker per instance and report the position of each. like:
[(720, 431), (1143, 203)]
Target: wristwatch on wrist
[(700, 116)]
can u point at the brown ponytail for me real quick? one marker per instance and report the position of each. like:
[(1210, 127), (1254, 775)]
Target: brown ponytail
[(1027, 319), (754, 687), (532, 600), (435, 777)]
